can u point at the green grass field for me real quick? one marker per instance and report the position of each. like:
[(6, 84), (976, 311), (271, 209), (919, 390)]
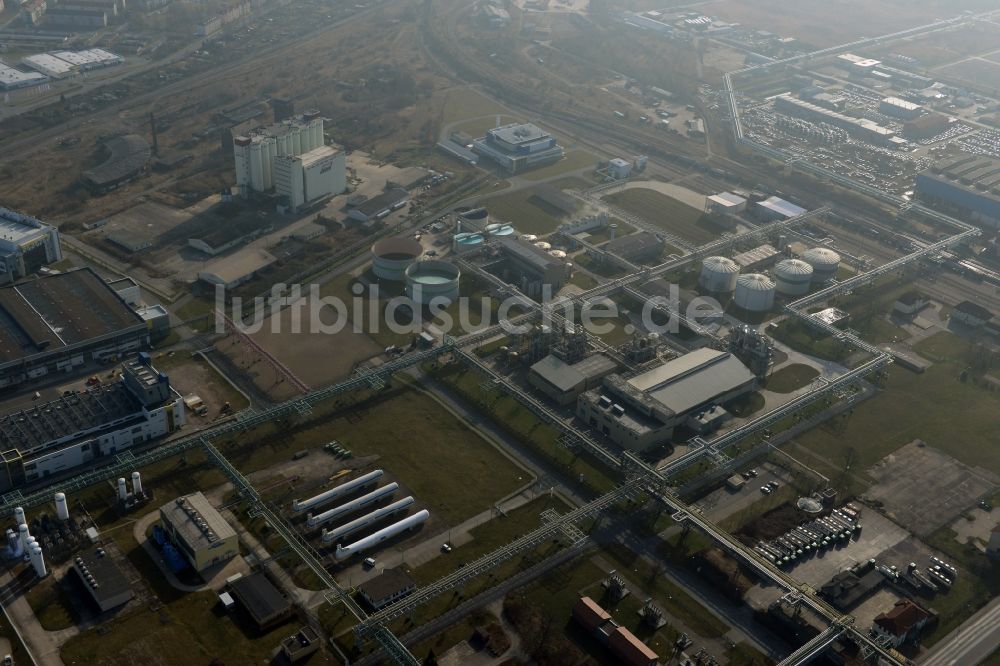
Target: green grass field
[(665, 212), (791, 378), (463, 103), (574, 160), (526, 211)]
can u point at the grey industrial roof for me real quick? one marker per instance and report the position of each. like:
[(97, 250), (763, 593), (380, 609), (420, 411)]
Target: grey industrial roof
[(528, 253), (111, 582), (387, 583), (566, 377), (633, 243), (260, 597), (693, 379), (387, 199), (197, 522), (519, 133), (128, 156), (44, 423), (58, 310)]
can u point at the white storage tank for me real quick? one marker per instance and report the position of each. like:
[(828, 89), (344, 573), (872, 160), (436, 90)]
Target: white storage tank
[(392, 256), (754, 292), (558, 254), (792, 277), (718, 274), (62, 507), (825, 263), (477, 219), (529, 238), (542, 245), (432, 279)]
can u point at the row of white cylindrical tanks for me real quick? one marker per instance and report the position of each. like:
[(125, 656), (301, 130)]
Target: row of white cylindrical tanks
[(755, 291), (358, 524)]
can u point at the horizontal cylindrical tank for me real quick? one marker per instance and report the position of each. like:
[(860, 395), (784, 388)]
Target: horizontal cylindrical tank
[(19, 516), (718, 274), (426, 280), (137, 484), (331, 536), (466, 242), (792, 277), (62, 507), (353, 505), (825, 263), (392, 256), (122, 489), (754, 292), (299, 506), (384, 534)]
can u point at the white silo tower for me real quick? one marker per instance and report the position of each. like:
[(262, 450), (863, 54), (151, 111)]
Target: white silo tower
[(718, 274), (122, 489), (792, 277), (62, 507), (825, 263), (137, 484), (19, 516), (37, 561), (754, 292), (23, 536)]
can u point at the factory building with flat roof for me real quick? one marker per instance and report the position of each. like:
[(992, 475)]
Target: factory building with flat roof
[(26, 244), (199, 531), (255, 152), (311, 177), (62, 321), (967, 186), (641, 412), (74, 429), (102, 579), (518, 147), (563, 382), (532, 268)]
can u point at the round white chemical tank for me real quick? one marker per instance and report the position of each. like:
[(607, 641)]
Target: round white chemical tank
[(432, 279), (718, 274), (542, 245), (558, 254), (529, 238), (825, 263), (792, 277), (476, 218), (754, 292), (392, 256)]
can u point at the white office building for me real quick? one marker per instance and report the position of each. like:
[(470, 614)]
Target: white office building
[(26, 244)]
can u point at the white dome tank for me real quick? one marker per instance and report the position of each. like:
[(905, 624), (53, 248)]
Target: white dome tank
[(718, 274), (529, 238), (754, 292), (792, 277), (542, 245), (558, 254), (431, 279), (825, 263), (392, 256)]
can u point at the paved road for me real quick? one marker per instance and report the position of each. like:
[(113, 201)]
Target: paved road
[(971, 643)]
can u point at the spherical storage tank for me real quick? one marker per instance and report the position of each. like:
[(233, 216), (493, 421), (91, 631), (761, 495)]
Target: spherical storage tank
[(558, 254), (718, 274), (754, 292), (542, 245), (431, 279), (824, 262), (466, 241), (392, 256), (792, 277)]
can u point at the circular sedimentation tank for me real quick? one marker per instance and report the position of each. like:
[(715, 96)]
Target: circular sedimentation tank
[(500, 230), (392, 256), (825, 263), (467, 241), (718, 274), (792, 277), (477, 218), (754, 292), (426, 280)]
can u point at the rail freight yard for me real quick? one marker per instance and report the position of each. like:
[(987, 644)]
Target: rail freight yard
[(527, 333)]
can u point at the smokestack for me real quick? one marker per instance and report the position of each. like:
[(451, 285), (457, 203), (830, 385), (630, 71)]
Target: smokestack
[(137, 484), (152, 128), (614, 230), (122, 490), (62, 508)]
